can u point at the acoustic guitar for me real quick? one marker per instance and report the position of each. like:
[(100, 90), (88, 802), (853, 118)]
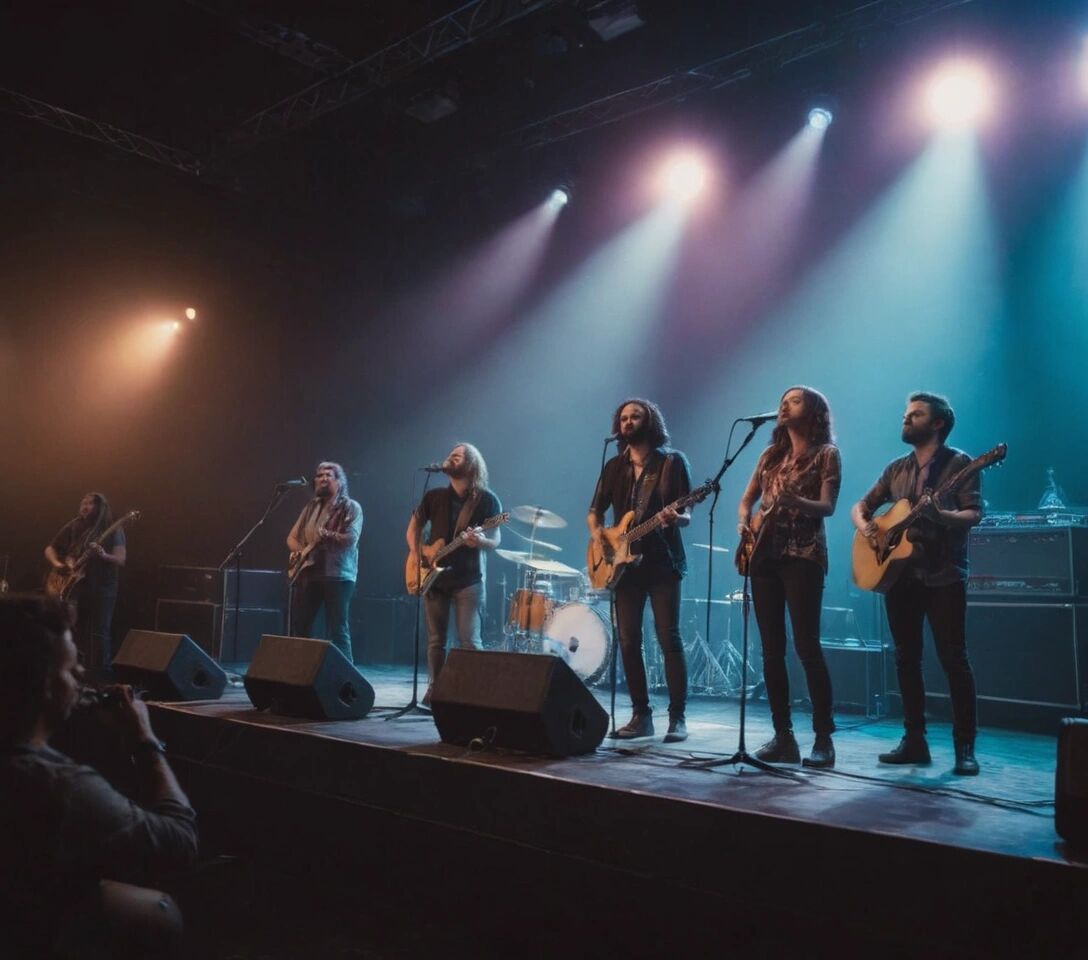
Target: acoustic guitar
[(879, 561)]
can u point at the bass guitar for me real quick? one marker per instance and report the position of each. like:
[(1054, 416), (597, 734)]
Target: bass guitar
[(607, 558), (878, 561), (422, 568), (60, 584)]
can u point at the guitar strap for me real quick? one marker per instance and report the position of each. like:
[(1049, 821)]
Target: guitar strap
[(649, 483), (467, 510)]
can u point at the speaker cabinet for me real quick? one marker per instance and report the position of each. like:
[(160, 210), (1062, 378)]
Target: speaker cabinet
[(1071, 783), (196, 619), (520, 700), (857, 671), (299, 677), (169, 666), (252, 625)]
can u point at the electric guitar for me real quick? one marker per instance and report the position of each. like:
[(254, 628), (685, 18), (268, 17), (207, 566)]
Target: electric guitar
[(60, 584), (751, 538), (878, 562), (422, 568), (299, 560), (607, 558)]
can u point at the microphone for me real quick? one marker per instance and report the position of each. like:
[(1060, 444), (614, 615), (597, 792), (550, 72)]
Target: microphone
[(760, 418), (300, 482), (434, 468), (609, 439)]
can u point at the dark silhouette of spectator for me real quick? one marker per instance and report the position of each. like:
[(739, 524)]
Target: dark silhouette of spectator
[(74, 853)]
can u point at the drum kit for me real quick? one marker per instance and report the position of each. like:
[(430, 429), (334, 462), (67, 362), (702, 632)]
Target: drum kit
[(552, 611)]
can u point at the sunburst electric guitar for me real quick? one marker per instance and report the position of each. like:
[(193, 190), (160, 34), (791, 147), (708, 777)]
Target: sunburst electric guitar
[(607, 559), (878, 561), (59, 584), (422, 569)]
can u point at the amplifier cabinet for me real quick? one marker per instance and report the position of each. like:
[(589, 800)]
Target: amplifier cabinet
[(260, 589), (1048, 562), (199, 621), (1022, 654), (857, 672)]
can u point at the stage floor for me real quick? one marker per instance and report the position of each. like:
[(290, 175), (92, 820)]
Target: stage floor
[(1008, 809), (905, 862)]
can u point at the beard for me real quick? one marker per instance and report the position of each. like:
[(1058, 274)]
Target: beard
[(915, 435), (640, 435), (458, 471)]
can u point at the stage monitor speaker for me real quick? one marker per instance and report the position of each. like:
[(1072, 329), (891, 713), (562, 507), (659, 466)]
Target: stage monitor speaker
[(299, 677), (169, 666), (526, 701), (1071, 783)]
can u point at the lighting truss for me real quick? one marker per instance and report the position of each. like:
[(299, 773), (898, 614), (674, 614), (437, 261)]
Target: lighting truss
[(70, 122), (734, 67)]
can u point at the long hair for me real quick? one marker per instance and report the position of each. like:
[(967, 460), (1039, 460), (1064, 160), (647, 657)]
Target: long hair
[(818, 430), (658, 433), (99, 520), (32, 631), (477, 467), (342, 495)]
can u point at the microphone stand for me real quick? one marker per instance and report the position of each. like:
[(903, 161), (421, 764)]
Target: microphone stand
[(741, 756), (235, 555), (612, 621), (413, 708)]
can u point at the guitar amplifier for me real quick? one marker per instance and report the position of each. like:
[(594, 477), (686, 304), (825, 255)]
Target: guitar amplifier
[(260, 589), (1044, 562), (199, 621)]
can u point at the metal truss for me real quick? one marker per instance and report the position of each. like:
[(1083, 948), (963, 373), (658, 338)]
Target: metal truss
[(280, 39), (69, 122), (733, 67), (443, 36)]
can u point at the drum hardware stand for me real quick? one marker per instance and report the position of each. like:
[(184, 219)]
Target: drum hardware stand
[(704, 664), (414, 708), (741, 756), (235, 556)]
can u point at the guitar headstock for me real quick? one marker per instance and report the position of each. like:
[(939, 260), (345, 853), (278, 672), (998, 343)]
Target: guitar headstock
[(994, 456), (132, 515)]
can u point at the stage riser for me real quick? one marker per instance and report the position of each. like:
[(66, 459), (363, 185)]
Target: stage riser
[(357, 809)]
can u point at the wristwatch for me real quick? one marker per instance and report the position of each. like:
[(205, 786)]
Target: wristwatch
[(147, 747)]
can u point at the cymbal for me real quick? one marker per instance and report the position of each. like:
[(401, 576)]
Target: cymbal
[(535, 543), (538, 563), (538, 517), (706, 546)]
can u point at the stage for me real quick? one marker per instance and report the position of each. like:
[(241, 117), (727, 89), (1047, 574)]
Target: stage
[(631, 847)]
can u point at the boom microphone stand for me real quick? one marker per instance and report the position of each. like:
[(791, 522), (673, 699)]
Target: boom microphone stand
[(414, 708), (235, 555), (741, 756)]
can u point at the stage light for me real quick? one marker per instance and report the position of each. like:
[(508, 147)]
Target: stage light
[(959, 94), (190, 313), (819, 118), (559, 198), (683, 176), (175, 325)]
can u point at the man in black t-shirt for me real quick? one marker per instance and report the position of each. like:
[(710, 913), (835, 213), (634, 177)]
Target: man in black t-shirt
[(463, 505), (646, 477), (95, 595)]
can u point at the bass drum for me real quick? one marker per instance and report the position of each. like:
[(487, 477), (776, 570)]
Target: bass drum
[(581, 636)]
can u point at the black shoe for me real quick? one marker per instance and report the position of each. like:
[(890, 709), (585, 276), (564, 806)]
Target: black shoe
[(678, 730), (966, 764), (781, 748), (912, 749), (823, 754), (640, 725)]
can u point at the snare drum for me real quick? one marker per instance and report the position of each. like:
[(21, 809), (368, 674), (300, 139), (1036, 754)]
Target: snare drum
[(579, 635), (530, 609)]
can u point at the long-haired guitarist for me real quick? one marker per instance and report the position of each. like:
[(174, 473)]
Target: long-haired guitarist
[(326, 539), (934, 587), (443, 513), (96, 594), (645, 478), (796, 481)]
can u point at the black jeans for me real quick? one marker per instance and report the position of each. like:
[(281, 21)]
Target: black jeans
[(662, 586), (92, 634), (310, 595), (798, 585), (908, 603)]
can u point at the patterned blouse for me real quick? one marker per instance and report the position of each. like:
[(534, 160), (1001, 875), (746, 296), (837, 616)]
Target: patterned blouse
[(792, 533)]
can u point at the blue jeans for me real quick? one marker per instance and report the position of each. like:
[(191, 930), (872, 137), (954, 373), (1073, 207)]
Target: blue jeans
[(310, 595), (467, 604)]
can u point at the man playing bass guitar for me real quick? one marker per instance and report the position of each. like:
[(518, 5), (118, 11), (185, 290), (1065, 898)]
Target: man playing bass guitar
[(646, 478), (934, 586)]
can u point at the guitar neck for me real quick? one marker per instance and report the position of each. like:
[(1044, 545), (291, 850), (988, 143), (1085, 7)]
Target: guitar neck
[(636, 533)]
